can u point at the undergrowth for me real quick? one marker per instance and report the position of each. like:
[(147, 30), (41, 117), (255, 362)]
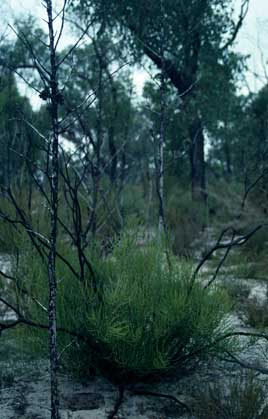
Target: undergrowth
[(243, 398), (152, 319)]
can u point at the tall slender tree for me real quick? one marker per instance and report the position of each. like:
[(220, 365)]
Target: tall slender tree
[(54, 95)]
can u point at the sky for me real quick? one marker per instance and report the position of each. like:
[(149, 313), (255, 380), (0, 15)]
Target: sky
[(252, 39)]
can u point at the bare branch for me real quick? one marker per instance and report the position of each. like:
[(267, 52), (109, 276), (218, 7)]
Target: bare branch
[(242, 15), (75, 45), (233, 243), (62, 22), (43, 72), (145, 392)]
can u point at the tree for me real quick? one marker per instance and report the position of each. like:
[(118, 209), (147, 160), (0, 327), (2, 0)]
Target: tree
[(49, 78), (198, 32)]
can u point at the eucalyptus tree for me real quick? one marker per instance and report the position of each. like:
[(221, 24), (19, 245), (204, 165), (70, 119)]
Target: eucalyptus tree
[(199, 32)]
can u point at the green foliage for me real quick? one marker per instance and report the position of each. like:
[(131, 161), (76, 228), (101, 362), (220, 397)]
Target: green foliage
[(252, 263), (257, 244), (13, 235), (244, 398), (152, 319), (185, 220), (147, 19), (224, 201), (245, 269), (238, 291), (8, 234), (257, 314)]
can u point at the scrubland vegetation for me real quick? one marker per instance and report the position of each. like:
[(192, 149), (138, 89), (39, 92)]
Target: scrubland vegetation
[(134, 225)]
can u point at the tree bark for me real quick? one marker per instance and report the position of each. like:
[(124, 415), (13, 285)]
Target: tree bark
[(161, 139), (197, 159), (160, 159), (54, 95)]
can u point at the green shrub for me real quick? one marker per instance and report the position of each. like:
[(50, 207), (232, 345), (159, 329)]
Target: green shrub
[(257, 314), (257, 243), (254, 251), (185, 220), (224, 200), (12, 235), (246, 269), (8, 234), (238, 291), (152, 319), (244, 398)]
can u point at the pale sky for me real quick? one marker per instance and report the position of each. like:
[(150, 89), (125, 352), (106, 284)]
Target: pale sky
[(252, 39)]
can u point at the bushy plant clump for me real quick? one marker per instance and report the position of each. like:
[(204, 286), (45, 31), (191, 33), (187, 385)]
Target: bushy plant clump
[(244, 398), (185, 221), (149, 318)]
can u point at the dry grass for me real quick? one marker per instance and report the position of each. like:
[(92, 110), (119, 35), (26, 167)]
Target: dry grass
[(243, 398)]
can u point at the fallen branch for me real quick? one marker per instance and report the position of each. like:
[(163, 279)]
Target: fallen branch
[(233, 243), (118, 403), (246, 365), (161, 395)]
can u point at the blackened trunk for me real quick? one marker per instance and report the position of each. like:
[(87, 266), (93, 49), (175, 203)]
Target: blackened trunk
[(53, 85), (197, 158), (160, 159), (161, 139)]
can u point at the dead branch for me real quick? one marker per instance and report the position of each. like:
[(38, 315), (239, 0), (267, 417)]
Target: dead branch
[(118, 403), (142, 392), (233, 243)]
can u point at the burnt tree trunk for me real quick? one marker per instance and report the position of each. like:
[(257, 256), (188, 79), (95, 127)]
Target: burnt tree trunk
[(160, 160), (52, 312), (161, 139), (197, 160)]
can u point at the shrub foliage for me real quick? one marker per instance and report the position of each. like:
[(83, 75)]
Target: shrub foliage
[(244, 398), (151, 318)]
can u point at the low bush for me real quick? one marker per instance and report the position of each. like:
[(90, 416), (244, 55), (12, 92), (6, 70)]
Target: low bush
[(151, 318), (257, 314), (244, 398), (185, 221), (8, 234), (239, 292), (257, 243), (224, 201)]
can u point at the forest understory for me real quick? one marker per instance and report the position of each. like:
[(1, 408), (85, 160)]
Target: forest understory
[(133, 219), (218, 388)]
